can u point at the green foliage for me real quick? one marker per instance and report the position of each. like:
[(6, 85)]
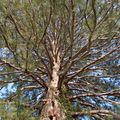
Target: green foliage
[(110, 117), (68, 107), (11, 111), (83, 31)]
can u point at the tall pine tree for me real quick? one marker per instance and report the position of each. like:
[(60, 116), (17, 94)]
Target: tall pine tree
[(61, 57)]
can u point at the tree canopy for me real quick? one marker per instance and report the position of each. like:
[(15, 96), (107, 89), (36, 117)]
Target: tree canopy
[(77, 41)]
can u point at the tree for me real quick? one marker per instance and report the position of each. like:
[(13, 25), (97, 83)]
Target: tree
[(59, 56)]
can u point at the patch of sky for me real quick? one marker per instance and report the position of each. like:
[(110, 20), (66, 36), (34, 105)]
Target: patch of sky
[(118, 62), (7, 89), (111, 81), (5, 53), (1, 68)]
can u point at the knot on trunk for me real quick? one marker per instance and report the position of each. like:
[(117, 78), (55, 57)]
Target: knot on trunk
[(53, 109)]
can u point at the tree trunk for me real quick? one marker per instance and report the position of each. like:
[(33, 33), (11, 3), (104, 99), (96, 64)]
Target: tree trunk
[(53, 110)]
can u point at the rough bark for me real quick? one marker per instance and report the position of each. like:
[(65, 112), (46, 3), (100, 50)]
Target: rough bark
[(53, 109)]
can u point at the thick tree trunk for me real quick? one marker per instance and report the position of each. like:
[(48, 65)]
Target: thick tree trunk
[(52, 109)]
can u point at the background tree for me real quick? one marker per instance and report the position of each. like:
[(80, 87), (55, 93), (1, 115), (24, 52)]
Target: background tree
[(62, 57)]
